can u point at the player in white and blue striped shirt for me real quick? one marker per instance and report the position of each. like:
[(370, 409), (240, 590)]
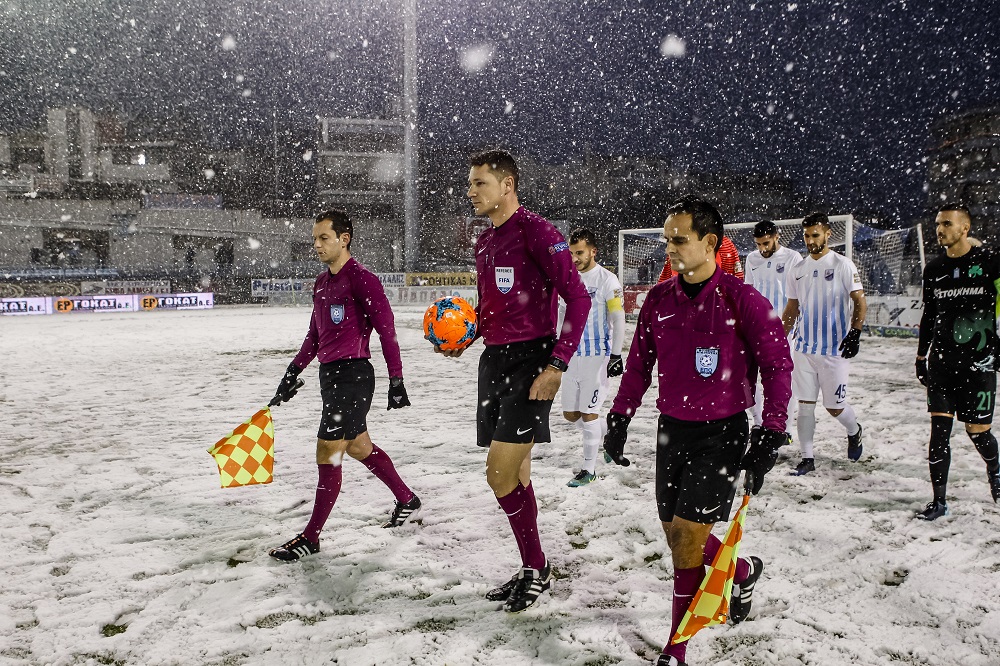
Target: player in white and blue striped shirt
[(767, 270), (825, 296), (599, 356)]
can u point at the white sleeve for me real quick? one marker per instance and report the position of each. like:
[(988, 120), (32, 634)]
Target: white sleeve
[(792, 284), (616, 318), (797, 258), (852, 279), (617, 321)]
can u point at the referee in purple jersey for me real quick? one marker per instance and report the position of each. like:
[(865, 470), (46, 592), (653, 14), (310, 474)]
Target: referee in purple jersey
[(708, 333), (523, 265), (348, 302)]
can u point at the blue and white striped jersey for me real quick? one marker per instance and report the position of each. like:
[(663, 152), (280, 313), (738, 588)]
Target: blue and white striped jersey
[(768, 276), (603, 286), (823, 289)]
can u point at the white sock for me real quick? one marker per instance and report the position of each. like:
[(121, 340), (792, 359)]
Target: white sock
[(791, 414), (591, 442), (758, 405), (806, 427), (849, 420)]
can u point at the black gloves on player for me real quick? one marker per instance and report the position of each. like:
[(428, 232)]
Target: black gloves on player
[(289, 386), (850, 345), (397, 394), (614, 441), (615, 366), (921, 366), (759, 459)]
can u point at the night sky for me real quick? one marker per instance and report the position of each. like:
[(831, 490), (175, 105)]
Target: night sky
[(837, 95)]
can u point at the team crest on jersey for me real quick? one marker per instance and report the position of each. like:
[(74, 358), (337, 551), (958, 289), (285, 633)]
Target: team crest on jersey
[(828, 275), (780, 268), (815, 273), (976, 271), (706, 360), (337, 313), (504, 276)]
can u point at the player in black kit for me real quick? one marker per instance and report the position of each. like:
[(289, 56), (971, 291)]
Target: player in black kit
[(958, 329)]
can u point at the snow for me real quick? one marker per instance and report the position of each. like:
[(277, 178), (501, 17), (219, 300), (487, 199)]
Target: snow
[(114, 522)]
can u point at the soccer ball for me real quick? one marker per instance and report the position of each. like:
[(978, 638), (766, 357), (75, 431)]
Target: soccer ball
[(450, 323)]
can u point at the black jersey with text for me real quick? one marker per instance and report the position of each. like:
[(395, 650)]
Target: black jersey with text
[(960, 309)]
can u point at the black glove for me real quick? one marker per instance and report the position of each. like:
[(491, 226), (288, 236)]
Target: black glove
[(397, 394), (850, 345), (759, 459), (289, 386), (921, 365), (614, 441), (615, 366)]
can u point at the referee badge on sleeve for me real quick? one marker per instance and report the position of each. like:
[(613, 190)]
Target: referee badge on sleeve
[(706, 360)]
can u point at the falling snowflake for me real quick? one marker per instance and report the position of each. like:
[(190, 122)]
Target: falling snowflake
[(475, 58), (673, 46)]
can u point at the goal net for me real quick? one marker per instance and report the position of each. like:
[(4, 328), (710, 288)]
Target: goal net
[(889, 262)]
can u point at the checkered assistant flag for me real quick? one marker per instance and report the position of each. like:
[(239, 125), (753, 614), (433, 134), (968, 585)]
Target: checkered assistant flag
[(246, 455), (710, 604)]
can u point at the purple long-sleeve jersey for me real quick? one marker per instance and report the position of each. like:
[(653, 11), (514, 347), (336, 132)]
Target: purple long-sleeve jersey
[(522, 267), (708, 350), (346, 307)]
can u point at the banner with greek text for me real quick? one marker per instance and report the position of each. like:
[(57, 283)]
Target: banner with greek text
[(25, 306)]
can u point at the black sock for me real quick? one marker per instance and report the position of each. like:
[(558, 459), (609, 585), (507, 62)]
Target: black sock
[(986, 444), (939, 455)]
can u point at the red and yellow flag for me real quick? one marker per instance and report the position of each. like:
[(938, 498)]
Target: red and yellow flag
[(246, 455), (711, 602)]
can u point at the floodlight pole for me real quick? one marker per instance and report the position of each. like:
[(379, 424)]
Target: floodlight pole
[(411, 216)]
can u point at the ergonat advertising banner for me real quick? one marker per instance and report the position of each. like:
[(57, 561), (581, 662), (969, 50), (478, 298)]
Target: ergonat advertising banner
[(29, 305), (106, 303)]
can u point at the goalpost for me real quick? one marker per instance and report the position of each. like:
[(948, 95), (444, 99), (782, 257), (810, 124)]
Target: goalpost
[(890, 263)]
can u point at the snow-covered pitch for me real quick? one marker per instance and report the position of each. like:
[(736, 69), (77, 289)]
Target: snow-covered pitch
[(120, 547)]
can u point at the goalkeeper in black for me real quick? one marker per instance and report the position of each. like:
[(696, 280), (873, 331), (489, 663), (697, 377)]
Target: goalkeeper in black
[(957, 351)]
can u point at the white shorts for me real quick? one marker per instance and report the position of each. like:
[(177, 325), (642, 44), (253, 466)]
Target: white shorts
[(814, 373), (585, 384)]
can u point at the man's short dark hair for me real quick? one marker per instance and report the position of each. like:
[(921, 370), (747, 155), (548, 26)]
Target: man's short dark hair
[(501, 163), (339, 221), (705, 219), (765, 228), (954, 205), (585, 235), (814, 218)]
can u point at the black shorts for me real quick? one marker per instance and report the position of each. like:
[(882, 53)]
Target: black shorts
[(347, 387), (697, 464), (969, 394), (504, 413)]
